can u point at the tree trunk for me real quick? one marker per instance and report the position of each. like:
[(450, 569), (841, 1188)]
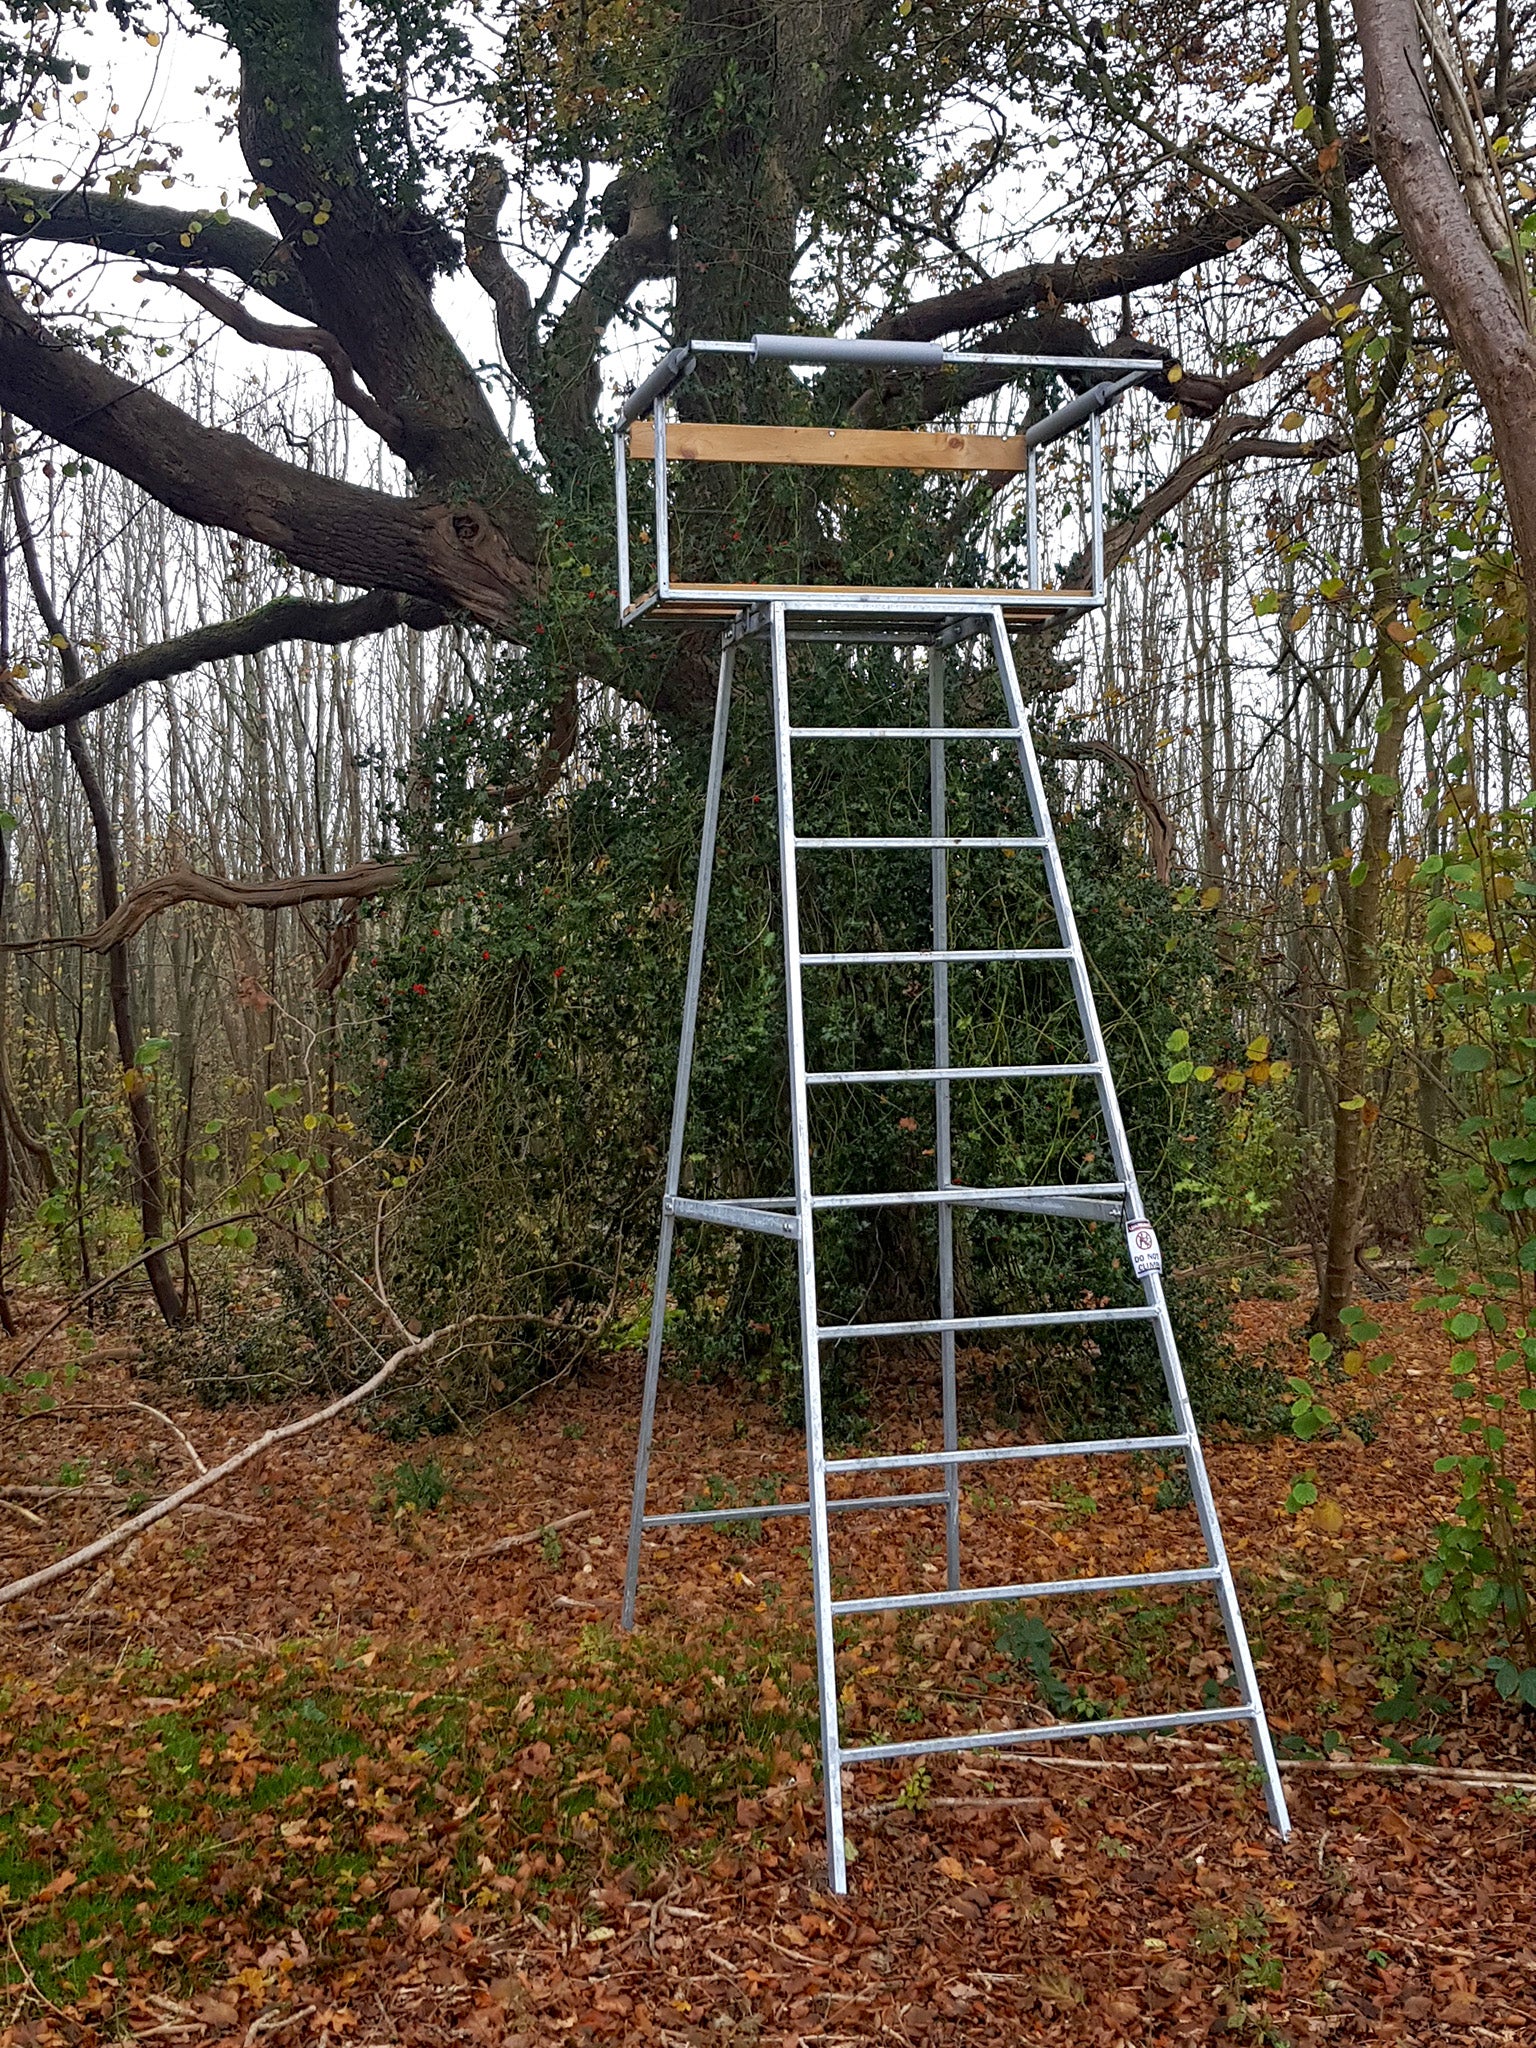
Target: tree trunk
[(146, 1144), (1488, 322)]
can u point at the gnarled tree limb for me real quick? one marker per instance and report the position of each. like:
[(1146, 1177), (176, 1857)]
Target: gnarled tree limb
[(488, 266), (311, 341), (348, 885), (1162, 842), (286, 618), (159, 234), (1089, 279), (453, 555)]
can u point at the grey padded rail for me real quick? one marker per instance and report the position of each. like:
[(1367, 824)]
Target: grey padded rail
[(813, 351)]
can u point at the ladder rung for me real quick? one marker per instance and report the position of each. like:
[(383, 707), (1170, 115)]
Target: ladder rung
[(1058, 1731), (903, 732), (1039, 1319), (887, 1075), (1044, 1589), (734, 1216), (950, 957), (994, 1454), (914, 843), (794, 1507), (999, 1198)]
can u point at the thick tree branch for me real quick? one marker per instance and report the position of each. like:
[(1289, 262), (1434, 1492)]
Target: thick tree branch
[(414, 1347), (311, 341), (452, 555), (1089, 279), (1162, 842), (350, 885), (286, 618), (488, 266), (159, 234), (1230, 440), (568, 373)]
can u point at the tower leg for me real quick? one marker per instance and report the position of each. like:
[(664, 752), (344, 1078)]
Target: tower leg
[(679, 1129), (1152, 1286), (938, 808), (805, 1252)]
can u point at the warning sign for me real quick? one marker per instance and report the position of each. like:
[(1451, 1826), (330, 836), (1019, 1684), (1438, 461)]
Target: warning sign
[(1146, 1254)]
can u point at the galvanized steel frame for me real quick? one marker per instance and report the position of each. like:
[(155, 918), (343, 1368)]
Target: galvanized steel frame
[(794, 1217)]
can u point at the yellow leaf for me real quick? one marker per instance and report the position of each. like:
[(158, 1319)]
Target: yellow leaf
[(1352, 1362), (1209, 898), (1478, 942), (1329, 1517), (153, 39), (1438, 417), (1298, 618), (1175, 373), (1312, 895), (951, 1867), (1259, 1073), (1354, 1102), (1291, 421), (1258, 1048)]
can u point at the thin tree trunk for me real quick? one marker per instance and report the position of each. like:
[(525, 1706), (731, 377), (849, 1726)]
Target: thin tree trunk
[(146, 1143)]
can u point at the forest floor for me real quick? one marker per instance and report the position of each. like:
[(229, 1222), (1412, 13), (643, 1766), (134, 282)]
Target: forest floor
[(299, 1769)]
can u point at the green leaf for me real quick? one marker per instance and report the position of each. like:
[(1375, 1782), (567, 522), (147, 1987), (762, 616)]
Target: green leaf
[(1177, 1041), (1464, 1325), (1181, 1072), (1470, 1059)]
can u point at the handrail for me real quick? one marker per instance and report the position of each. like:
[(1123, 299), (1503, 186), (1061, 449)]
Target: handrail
[(859, 447), (811, 351)]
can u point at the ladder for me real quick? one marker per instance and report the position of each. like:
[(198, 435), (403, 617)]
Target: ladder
[(929, 620)]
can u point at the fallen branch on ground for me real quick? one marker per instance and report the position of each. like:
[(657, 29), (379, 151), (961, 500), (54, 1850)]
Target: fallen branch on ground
[(417, 1347), (504, 1543), (1446, 1774)]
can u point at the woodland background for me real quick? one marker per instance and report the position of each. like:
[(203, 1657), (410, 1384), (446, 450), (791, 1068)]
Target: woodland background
[(347, 848)]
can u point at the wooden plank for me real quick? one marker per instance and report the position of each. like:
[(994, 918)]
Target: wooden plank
[(838, 447), (703, 592)]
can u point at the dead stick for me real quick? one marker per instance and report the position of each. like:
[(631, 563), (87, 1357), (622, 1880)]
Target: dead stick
[(159, 1509), (515, 1542)]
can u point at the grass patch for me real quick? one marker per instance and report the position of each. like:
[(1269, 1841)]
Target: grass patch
[(173, 1838)]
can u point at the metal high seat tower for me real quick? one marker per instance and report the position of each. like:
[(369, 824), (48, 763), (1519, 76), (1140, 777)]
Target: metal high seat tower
[(937, 618)]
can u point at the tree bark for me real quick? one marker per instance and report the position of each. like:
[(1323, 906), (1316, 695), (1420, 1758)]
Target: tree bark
[(450, 553), (1490, 330)]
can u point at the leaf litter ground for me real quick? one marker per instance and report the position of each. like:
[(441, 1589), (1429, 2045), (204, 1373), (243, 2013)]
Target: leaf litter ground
[(298, 1770)]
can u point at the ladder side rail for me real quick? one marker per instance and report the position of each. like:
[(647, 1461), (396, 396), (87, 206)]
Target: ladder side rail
[(678, 1134), (1216, 1550), (1032, 519), (1152, 1286), (938, 808), (621, 516), (805, 1253), (659, 492)]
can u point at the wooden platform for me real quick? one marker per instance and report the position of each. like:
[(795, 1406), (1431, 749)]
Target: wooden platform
[(848, 601)]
